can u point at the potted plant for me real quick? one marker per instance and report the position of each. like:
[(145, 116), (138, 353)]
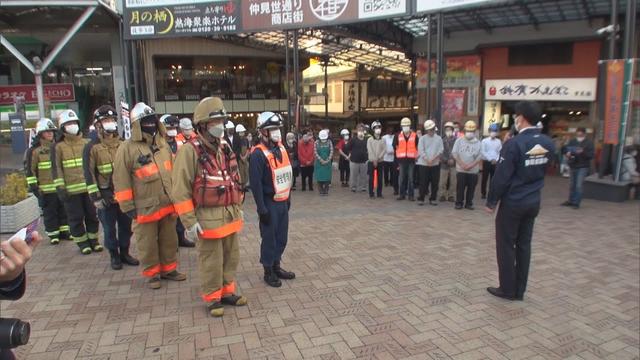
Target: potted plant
[(17, 207)]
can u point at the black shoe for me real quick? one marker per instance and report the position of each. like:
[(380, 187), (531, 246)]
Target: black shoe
[(128, 259), (303, 189), (395, 193), (271, 278), (400, 198), (95, 245), (567, 203), (282, 273), (498, 292), (458, 207), (469, 207), (433, 203), (116, 263), (186, 243), (380, 197)]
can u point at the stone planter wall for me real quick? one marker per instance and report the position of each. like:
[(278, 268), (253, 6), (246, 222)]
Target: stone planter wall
[(15, 217)]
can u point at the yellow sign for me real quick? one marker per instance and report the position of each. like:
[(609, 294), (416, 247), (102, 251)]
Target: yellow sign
[(492, 115)]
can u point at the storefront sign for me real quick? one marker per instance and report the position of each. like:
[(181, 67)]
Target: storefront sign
[(281, 14), (472, 101), (208, 18), (562, 89), (492, 115), (126, 121), (52, 92), (452, 105), (462, 71), (613, 102), (439, 5)]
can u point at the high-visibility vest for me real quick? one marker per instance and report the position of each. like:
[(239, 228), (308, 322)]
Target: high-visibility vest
[(406, 148), (281, 172)]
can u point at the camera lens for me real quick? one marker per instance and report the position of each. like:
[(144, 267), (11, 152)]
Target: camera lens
[(13, 333)]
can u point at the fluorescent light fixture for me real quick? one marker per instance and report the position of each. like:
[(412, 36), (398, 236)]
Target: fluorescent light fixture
[(94, 69)]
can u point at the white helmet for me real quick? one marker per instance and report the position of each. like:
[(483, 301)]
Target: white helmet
[(45, 124), (344, 132), (141, 111), (324, 134), (269, 120), (67, 116), (376, 124), (185, 124), (405, 121), (429, 124), (169, 121), (229, 125), (240, 128)]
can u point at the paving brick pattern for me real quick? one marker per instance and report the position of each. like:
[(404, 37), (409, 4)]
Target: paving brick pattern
[(377, 279)]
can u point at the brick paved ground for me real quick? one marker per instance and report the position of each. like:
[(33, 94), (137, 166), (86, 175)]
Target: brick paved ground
[(376, 280)]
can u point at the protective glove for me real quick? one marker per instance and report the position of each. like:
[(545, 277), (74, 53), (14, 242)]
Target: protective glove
[(192, 233), (132, 214), (99, 204), (63, 195), (265, 218)]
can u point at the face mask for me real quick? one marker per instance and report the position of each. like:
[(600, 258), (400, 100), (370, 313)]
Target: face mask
[(241, 134), (493, 134), (110, 126), (72, 129), (249, 138), (275, 135), (172, 133), (377, 131), (470, 135), (216, 131), (305, 138), (187, 133), (406, 129), (449, 133), (360, 134), (290, 142), (580, 138), (346, 137)]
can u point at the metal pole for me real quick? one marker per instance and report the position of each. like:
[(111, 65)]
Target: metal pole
[(287, 67), (429, 36), (37, 75), (441, 67), (629, 69), (326, 92), (17, 54), (629, 29), (72, 31), (614, 23), (358, 70), (296, 78), (124, 58), (134, 67), (414, 119)]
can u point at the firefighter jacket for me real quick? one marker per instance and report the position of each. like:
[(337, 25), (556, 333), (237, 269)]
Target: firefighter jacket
[(142, 175), (218, 221), (66, 159), (38, 168), (98, 159)]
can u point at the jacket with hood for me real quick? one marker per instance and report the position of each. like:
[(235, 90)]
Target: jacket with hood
[(219, 221), (98, 159), (39, 169), (142, 175), (66, 159)]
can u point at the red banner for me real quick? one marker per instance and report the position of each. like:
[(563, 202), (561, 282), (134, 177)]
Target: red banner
[(613, 103), (452, 105), (52, 92)]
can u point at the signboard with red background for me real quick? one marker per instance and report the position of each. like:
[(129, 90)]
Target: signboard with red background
[(52, 92)]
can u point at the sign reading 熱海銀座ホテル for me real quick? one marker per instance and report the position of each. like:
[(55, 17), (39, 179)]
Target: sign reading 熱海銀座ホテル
[(173, 18)]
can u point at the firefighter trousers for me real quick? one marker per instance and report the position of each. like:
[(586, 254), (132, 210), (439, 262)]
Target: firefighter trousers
[(82, 217), (55, 216), (217, 263), (157, 245), (116, 227), (275, 233)]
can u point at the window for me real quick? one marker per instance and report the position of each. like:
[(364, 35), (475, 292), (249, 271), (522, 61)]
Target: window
[(338, 93), (541, 54), (191, 78)]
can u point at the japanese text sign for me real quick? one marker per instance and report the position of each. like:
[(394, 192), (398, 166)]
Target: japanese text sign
[(613, 102), (440, 5), (52, 92), (561, 89)]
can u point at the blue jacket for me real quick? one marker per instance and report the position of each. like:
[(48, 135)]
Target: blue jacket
[(260, 180), (519, 175)]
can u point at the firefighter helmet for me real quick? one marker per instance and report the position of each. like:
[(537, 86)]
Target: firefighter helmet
[(209, 108), (169, 121), (141, 111), (104, 112), (67, 116), (269, 120), (45, 124)]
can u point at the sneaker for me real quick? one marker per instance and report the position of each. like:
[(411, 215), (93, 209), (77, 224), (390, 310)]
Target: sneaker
[(174, 276), (154, 283), (469, 207)]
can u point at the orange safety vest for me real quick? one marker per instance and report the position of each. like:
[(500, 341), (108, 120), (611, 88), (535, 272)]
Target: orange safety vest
[(406, 148), (281, 173)]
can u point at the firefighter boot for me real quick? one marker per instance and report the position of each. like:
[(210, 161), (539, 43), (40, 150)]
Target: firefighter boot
[(282, 273), (215, 308), (95, 245), (234, 300), (174, 276), (154, 283), (271, 278), (116, 263), (85, 247), (125, 258)]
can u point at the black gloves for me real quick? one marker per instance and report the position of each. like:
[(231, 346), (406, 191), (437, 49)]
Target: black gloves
[(132, 214), (265, 218)]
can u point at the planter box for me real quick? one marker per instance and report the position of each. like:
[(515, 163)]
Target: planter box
[(605, 189), (15, 217)]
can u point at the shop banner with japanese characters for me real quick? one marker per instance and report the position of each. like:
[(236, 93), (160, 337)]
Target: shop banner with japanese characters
[(284, 14), (52, 92), (181, 18), (492, 115), (560, 89), (452, 105), (613, 102), (422, 6), (462, 71)]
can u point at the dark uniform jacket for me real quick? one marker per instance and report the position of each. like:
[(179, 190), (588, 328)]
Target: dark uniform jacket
[(519, 175)]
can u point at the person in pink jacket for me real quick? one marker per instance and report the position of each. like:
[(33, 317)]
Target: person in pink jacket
[(306, 156)]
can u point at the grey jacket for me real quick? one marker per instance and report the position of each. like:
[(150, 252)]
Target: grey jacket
[(429, 148), (468, 151)]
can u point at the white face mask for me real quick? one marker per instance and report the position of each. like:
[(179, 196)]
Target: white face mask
[(470, 135), (110, 126), (580, 138), (72, 129), (172, 132), (377, 131), (275, 135), (406, 129), (217, 131), (346, 137), (360, 134), (449, 133), (493, 134)]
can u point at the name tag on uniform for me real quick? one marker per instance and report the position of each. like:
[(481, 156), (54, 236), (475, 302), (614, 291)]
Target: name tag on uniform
[(283, 178)]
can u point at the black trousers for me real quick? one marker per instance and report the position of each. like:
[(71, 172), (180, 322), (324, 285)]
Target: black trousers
[(345, 170), (275, 234), (116, 227), (488, 169), (390, 169), (370, 172), (307, 176), (465, 188), (55, 216), (83, 220), (296, 173), (429, 180), (514, 227)]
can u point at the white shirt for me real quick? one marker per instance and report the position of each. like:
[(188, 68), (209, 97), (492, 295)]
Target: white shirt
[(389, 154), (491, 149)]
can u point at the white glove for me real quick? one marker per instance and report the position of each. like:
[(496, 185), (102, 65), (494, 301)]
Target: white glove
[(192, 233), (99, 204)]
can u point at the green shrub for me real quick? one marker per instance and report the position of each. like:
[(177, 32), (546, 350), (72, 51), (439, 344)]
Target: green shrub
[(14, 189)]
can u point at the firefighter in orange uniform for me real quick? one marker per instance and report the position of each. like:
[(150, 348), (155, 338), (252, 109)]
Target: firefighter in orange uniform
[(142, 181), (208, 197)]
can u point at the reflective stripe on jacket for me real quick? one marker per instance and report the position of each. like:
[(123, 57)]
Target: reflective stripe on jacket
[(66, 158)]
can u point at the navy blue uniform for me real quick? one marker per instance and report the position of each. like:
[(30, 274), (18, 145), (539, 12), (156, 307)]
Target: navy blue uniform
[(516, 185), (275, 231)]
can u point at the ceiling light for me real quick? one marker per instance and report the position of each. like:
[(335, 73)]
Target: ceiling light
[(570, 112), (94, 69), (579, 112)]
